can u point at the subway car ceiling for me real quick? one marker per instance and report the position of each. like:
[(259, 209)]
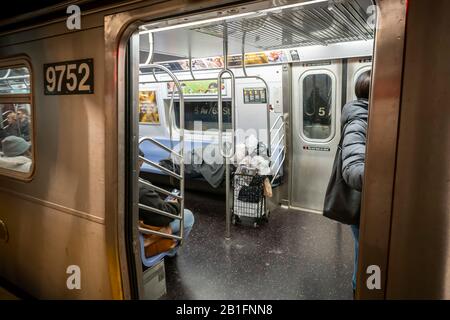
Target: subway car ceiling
[(318, 30)]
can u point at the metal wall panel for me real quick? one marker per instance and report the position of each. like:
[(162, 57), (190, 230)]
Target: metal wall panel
[(381, 151), (419, 257), (43, 242), (58, 219)]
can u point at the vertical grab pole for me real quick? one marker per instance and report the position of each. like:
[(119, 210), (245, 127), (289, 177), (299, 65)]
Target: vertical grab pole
[(269, 137), (151, 51), (181, 130), (226, 154), (225, 46), (244, 69), (190, 58)]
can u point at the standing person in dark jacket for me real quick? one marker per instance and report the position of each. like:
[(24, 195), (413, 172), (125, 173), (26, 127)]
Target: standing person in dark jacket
[(354, 116), (150, 198)]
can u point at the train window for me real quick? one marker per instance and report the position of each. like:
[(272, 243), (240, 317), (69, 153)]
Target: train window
[(203, 115), (14, 80), (317, 106), (16, 110)]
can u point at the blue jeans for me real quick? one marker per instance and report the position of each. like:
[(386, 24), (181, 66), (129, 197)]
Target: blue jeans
[(355, 231), (175, 226)]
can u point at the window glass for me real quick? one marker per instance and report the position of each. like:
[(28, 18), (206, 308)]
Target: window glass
[(317, 106), (205, 113), (14, 81), (16, 131)]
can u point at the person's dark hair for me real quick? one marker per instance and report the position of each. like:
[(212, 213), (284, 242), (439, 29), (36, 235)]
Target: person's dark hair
[(362, 87), (23, 110), (141, 153)]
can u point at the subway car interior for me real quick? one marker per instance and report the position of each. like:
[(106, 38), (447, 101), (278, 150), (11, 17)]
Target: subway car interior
[(218, 102)]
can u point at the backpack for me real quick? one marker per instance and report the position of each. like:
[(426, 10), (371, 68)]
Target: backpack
[(342, 203)]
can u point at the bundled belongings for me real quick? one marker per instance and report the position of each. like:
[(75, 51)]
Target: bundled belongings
[(249, 200), (250, 190), (259, 163), (253, 191), (251, 147), (251, 180), (196, 167)]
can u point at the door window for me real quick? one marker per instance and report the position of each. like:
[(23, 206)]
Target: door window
[(317, 103)]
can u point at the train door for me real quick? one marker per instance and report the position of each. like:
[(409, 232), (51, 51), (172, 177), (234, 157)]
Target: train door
[(316, 96), (355, 68)]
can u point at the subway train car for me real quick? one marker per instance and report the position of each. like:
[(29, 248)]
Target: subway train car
[(201, 93)]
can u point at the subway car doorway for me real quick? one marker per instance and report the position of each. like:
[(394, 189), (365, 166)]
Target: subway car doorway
[(213, 102)]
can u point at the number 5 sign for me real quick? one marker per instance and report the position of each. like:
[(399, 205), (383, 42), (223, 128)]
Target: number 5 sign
[(70, 77)]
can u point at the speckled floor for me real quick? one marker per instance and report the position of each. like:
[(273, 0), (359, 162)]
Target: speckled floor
[(294, 256)]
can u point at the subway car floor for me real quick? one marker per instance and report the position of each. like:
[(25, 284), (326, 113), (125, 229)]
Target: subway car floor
[(293, 256)]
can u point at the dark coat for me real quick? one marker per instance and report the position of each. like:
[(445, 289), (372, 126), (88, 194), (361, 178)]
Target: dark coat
[(151, 198), (354, 115), (25, 129), (10, 130)]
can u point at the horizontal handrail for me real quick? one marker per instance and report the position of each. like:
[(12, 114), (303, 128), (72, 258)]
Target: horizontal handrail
[(276, 122), (7, 74), (179, 176), (279, 167), (157, 211), (278, 156), (158, 166), (282, 151), (159, 144), (279, 141), (187, 71), (276, 133), (158, 189), (161, 234), (25, 76)]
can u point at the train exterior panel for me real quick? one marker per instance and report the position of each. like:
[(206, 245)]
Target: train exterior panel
[(58, 218)]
